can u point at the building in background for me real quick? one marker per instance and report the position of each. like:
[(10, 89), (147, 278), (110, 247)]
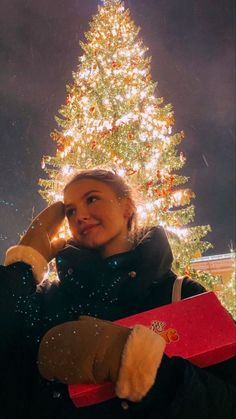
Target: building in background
[(223, 267), (216, 265)]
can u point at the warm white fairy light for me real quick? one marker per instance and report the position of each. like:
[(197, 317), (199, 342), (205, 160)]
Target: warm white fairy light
[(126, 118), (143, 94), (84, 100), (155, 133), (136, 166), (144, 210), (120, 98), (143, 136), (107, 125), (66, 170), (142, 213), (180, 232), (57, 196), (177, 196), (149, 206), (157, 203), (149, 127), (121, 172), (69, 132), (151, 164)]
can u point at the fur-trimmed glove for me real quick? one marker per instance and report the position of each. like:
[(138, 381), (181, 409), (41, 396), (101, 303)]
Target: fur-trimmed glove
[(36, 246), (91, 350), (43, 229)]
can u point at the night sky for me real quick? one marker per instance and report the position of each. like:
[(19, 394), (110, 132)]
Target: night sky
[(192, 44)]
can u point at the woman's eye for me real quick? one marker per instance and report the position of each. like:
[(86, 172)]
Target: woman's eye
[(70, 212), (91, 199)]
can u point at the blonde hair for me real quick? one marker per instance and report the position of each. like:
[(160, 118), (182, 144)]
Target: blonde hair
[(116, 182)]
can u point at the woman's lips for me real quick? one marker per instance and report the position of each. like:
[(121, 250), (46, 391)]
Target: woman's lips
[(88, 228)]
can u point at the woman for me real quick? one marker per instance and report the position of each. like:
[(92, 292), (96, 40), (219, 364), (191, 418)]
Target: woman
[(105, 273)]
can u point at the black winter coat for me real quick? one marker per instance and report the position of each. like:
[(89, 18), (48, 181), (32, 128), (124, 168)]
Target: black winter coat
[(103, 288)]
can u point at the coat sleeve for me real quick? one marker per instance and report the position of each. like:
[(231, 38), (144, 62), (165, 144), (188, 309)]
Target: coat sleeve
[(17, 284), (184, 391), (17, 350)]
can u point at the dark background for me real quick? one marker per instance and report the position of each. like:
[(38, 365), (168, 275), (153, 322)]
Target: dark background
[(192, 44)]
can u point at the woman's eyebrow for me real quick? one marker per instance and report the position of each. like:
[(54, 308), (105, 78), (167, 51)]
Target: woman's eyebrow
[(83, 196)]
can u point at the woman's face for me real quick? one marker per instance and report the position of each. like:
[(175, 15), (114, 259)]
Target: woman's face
[(97, 217)]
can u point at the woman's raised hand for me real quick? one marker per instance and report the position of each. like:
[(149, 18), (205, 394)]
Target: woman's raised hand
[(43, 229)]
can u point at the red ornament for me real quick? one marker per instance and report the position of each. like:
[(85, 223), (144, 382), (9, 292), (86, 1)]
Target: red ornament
[(61, 147), (115, 64), (114, 128), (93, 144), (158, 174), (104, 134), (68, 99)]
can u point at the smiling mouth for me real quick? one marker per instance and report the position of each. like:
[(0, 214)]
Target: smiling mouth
[(86, 230)]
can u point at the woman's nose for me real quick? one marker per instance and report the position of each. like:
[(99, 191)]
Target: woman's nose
[(81, 215)]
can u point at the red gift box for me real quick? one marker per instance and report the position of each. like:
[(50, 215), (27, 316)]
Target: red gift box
[(198, 329)]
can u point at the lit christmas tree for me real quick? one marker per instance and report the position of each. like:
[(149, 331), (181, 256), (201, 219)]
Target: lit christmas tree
[(230, 299), (227, 293), (113, 119)]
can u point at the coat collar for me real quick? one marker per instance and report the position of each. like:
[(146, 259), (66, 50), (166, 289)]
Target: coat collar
[(152, 254)]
